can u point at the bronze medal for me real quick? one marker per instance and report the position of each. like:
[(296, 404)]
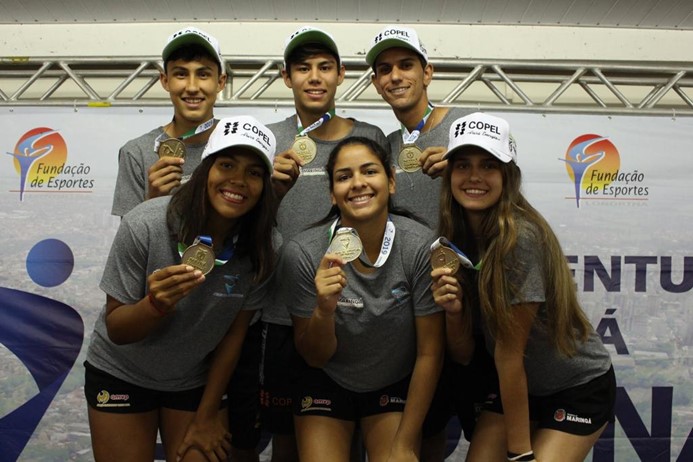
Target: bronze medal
[(305, 148), (172, 147), (199, 256), (409, 157), (445, 257), (347, 244)]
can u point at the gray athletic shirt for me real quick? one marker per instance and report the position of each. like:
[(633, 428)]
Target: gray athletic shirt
[(376, 334), (309, 199), (134, 160), (417, 191), (177, 356), (547, 371)]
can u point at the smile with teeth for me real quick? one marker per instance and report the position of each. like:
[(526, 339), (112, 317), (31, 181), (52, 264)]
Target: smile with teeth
[(475, 192), (361, 198), (192, 100), (231, 196), (398, 90)]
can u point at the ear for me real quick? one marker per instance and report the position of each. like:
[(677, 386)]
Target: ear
[(222, 82), (332, 198), (374, 81), (391, 181), (428, 75), (286, 77), (163, 79), (342, 73)]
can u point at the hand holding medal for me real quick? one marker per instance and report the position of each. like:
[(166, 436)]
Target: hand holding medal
[(169, 285), (445, 254)]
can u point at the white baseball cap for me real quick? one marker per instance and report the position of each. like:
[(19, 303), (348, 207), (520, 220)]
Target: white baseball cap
[(242, 131), (485, 131), (395, 37), (308, 34), (193, 36)]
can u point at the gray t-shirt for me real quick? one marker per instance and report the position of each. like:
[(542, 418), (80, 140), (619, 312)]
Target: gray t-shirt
[(134, 160), (309, 199), (375, 318), (547, 370), (417, 191), (177, 356)]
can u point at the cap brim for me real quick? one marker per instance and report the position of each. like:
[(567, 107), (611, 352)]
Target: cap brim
[(498, 155), (312, 36), (261, 154)]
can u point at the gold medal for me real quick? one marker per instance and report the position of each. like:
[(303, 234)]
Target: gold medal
[(445, 257), (305, 148), (409, 158), (172, 147), (199, 256), (347, 244)]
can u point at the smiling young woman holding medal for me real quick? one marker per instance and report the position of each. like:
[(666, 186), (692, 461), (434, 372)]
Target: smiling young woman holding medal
[(183, 280), (556, 387), (358, 288)]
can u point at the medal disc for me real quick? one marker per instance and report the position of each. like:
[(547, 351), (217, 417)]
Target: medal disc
[(346, 244), (445, 257), (409, 158), (305, 148), (199, 256), (172, 147)]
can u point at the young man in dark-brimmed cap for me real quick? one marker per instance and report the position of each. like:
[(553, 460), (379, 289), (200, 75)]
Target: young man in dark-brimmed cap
[(312, 70)]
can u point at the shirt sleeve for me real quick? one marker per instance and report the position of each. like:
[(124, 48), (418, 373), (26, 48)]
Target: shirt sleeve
[(124, 276), (130, 188), (421, 280), (297, 281), (526, 269)]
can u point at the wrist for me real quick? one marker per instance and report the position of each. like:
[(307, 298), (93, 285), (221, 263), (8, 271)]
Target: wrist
[(160, 310), (524, 457)]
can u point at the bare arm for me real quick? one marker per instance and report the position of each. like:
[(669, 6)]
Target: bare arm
[(315, 337), (131, 323), (509, 359), (447, 294), (429, 362)]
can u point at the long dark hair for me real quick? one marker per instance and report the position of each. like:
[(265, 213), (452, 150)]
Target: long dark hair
[(190, 208), (385, 159)]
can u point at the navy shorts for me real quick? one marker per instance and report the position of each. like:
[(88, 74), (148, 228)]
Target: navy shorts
[(278, 374), (461, 392), (244, 393), (107, 393), (580, 410), (319, 395)]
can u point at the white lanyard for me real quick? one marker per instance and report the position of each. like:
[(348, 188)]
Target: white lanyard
[(303, 131), (385, 246), (410, 138), (189, 134)]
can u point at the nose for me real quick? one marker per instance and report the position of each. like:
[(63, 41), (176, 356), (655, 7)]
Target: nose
[(314, 75), (358, 181), (193, 84), (395, 74)]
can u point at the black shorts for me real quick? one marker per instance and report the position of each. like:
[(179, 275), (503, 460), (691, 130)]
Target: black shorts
[(107, 393), (278, 373), (580, 410), (319, 395), (244, 392)]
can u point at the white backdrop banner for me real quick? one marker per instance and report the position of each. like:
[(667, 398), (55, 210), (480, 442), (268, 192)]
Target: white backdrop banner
[(616, 190)]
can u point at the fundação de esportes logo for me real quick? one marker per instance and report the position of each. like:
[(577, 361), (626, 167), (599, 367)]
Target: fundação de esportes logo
[(40, 159), (593, 164)]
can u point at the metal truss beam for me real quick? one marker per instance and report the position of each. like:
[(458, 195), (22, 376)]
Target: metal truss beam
[(593, 87)]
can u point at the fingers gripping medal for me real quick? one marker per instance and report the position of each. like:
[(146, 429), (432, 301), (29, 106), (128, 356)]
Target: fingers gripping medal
[(200, 254), (445, 254), (305, 148), (172, 147), (408, 159), (347, 244)]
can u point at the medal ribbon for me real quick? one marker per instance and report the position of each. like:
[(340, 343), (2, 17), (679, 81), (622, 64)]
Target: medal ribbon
[(385, 247), (410, 138), (224, 256), (304, 131), (189, 134), (464, 260)]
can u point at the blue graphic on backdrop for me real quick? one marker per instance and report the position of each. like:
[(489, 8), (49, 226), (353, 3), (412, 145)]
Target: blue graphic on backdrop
[(46, 336), (50, 262)]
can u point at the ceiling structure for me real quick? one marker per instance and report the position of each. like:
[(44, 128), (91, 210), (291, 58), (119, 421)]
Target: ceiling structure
[(641, 14), (538, 86)]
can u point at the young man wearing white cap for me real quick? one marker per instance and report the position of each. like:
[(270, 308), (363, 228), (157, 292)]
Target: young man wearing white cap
[(401, 75), (158, 162), (313, 71)]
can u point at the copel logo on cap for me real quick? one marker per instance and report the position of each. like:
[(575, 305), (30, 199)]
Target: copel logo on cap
[(392, 32), (191, 31), (460, 128), (260, 134), (230, 127)]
